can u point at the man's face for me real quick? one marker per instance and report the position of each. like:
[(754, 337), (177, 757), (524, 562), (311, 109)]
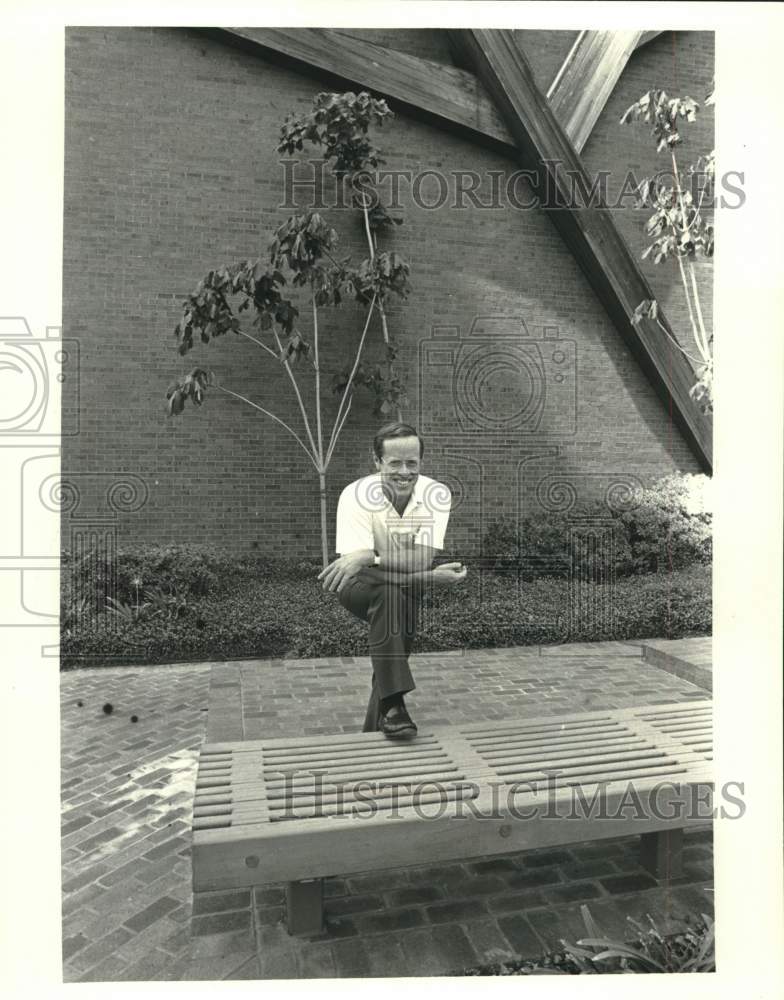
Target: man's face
[(399, 464)]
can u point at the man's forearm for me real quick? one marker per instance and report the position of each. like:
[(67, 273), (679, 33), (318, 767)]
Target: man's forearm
[(376, 574), (408, 560), (401, 566)]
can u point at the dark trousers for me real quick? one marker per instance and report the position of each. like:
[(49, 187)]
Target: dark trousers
[(390, 611)]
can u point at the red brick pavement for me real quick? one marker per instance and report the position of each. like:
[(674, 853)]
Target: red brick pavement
[(127, 788)]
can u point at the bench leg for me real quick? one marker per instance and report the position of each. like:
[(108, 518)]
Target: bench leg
[(662, 853), (305, 906)]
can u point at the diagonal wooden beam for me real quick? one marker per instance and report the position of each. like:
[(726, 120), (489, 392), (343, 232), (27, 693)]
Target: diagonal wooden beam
[(589, 232), (441, 95), (586, 79), (648, 36)]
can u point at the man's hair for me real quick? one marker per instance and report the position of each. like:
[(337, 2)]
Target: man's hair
[(395, 430)]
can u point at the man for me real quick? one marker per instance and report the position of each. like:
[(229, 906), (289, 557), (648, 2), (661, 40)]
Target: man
[(390, 525)]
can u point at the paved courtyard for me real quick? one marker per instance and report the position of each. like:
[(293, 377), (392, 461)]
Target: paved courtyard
[(127, 788)]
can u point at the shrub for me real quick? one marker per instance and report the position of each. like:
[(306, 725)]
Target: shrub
[(669, 529), (187, 569), (547, 545), (672, 526), (142, 571)]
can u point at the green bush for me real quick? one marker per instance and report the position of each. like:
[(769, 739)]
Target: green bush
[(186, 569), (672, 526), (547, 546), (268, 608), (669, 529)]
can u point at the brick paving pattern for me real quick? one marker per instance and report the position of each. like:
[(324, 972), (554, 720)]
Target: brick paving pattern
[(128, 909), (127, 791)]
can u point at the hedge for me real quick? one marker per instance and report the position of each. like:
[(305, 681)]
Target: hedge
[(221, 607)]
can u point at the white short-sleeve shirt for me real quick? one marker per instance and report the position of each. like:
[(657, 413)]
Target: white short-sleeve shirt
[(366, 519)]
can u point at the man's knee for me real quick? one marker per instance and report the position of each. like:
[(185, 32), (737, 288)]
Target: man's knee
[(384, 592), (385, 597), (356, 597), (392, 613)]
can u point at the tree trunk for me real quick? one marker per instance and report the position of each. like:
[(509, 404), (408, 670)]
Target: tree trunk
[(323, 503), (373, 248)]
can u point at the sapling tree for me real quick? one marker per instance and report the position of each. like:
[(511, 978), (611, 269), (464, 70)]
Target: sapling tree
[(678, 226), (302, 254), (338, 124)]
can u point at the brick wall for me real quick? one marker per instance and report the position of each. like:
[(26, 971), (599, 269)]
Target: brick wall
[(170, 169)]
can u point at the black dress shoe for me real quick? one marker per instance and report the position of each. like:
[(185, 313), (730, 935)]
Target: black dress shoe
[(397, 723)]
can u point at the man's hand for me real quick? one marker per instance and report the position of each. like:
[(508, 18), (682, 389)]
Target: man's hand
[(345, 568), (449, 573)]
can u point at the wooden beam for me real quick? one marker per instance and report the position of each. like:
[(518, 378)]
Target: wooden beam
[(438, 94), (586, 79), (648, 36), (589, 232)]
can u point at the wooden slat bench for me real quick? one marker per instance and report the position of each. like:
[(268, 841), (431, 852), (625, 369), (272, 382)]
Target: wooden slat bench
[(299, 810)]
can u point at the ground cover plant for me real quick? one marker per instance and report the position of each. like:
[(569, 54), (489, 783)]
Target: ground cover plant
[(648, 950)]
